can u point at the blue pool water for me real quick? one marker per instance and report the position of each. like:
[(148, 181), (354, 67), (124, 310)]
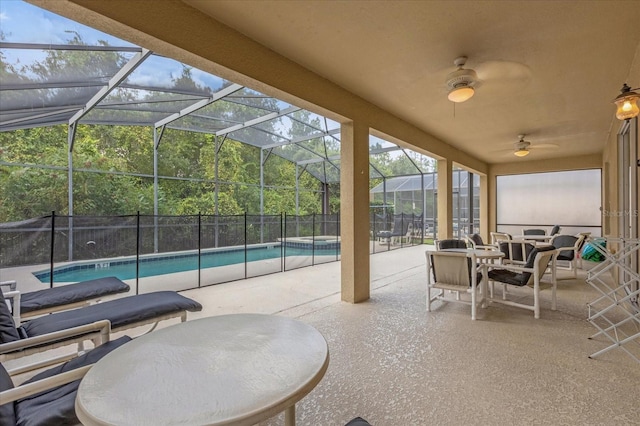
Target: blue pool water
[(159, 265)]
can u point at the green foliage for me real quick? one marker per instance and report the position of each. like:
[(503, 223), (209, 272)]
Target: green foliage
[(114, 165)]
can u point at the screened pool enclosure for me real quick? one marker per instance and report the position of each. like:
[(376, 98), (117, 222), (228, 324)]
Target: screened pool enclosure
[(110, 150)]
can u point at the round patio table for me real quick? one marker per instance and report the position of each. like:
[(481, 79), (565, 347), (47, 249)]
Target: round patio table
[(231, 369)]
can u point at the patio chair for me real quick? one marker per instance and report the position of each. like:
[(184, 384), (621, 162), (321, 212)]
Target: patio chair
[(401, 230), (358, 421), (529, 274), (534, 232), (122, 314), (456, 272), (48, 398), (496, 237), (453, 243), (477, 243), (568, 247), (40, 302), (515, 251)]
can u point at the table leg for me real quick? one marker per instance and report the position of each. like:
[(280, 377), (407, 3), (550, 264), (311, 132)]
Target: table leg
[(290, 416)]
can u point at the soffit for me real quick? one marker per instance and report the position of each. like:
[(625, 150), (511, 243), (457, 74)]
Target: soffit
[(548, 69)]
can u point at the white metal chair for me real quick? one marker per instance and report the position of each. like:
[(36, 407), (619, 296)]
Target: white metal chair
[(568, 247), (456, 272), (530, 274), (497, 237), (476, 242)]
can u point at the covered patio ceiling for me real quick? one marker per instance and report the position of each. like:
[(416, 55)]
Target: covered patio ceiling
[(98, 79)]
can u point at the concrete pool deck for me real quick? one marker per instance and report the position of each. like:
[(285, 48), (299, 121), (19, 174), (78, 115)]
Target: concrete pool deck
[(393, 363)]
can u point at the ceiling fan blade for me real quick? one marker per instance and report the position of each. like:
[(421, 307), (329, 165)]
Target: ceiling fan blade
[(544, 145), (503, 71)]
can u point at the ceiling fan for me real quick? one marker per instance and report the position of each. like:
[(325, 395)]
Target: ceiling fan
[(463, 82), (522, 146)]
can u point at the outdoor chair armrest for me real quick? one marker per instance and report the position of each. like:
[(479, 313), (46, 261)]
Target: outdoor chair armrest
[(11, 284), (14, 295), (25, 390), (508, 266), (487, 247), (100, 329)]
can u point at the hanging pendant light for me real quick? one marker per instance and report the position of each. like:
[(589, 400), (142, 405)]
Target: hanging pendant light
[(627, 103)]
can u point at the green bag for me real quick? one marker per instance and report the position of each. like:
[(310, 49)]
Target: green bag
[(589, 252)]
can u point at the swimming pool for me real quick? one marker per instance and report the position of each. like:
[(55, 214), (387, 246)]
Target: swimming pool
[(125, 269)]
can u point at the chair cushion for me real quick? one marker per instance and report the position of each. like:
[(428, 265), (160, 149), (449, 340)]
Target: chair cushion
[(470, 268), (7, 412), (56, 406), (358, 421), (518, 278), (533, 232), (477, 239), (565, 241), (516, 250), (451, 244), (8, 332), (121, 312), (555, 230), (66, 294)]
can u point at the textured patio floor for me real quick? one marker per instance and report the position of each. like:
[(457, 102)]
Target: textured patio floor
[(393, 363)]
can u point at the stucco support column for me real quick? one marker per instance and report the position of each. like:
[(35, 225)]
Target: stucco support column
[(484, 207), (354, 212), (445, 199)]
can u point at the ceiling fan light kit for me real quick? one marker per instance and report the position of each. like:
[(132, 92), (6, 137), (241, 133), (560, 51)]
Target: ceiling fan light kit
[(461, 82), (627, 103), (522, 147)]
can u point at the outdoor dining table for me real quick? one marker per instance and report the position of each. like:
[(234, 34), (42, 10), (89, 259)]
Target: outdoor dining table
[(235, 369)]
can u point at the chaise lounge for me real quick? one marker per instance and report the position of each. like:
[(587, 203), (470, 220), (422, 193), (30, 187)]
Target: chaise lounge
[(40, 302), (48, 398), (128, 312)]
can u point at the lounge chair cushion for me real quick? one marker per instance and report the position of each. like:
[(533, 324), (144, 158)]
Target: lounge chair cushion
[(56, 406), (7, 412), (8, 332), (50, 297), (120, 312)]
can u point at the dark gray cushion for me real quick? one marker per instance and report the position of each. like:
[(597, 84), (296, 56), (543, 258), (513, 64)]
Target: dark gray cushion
[(477, 239), (71, 293), (533, 232), (120, 312), (358, 421), (56, 406), (8, 332), (565, 241), (555, 230), (7, 412), (515, 278), (516, 250), (451, 244)]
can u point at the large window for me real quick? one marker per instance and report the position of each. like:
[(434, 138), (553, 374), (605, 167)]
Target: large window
[(570, 199)]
